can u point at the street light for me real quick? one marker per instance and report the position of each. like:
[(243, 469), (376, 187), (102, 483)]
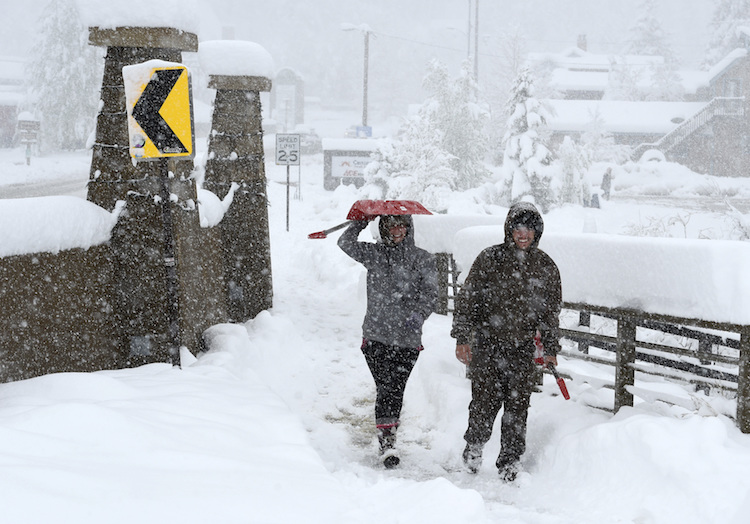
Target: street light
[(365, 30)]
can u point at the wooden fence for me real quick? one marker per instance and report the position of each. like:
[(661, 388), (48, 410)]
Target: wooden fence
[(706, 354)]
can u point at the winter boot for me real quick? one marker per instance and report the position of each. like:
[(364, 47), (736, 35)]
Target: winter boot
[(387, 441), (472, 456), (508, 472)]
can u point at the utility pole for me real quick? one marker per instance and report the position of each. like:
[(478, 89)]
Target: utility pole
[(476, 41)]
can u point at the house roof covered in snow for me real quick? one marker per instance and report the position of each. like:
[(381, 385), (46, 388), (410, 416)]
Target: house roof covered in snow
[(620, 116), (577, 70)]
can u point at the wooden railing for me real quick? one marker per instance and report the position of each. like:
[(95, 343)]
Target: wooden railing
[(717, 355), (719, 106)]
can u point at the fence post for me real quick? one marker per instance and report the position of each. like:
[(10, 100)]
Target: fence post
[(443, 271), (624, 372), (743, 382), (584, 320)]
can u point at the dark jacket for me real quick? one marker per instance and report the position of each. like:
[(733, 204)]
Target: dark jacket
[(401, 283), (510, 293)]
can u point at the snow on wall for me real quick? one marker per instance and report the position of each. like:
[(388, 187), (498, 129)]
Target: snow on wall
[(705, 279), (51, 224), (179, 14), (235, 58)]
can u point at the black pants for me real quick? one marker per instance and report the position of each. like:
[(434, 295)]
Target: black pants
[(500, 379), (390, 367)]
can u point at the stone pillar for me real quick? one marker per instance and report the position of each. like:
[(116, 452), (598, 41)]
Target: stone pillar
[(113, 173), (235, 155), (154, 309)]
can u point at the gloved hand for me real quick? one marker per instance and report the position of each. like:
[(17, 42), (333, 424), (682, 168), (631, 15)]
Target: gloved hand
[(414, 322), (463, 353)]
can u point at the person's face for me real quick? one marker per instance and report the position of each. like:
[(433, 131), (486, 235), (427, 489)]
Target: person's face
[(523, 237), (397, 232)]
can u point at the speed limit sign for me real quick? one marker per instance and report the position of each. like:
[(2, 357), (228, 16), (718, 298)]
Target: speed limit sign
[(287, 149)]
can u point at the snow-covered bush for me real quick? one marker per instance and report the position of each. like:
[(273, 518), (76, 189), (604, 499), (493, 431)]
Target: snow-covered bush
[(439, 149)]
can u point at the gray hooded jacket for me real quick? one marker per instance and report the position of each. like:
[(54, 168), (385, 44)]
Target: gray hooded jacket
[(401, 285)]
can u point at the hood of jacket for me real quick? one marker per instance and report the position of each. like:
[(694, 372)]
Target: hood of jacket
[(385, 224), (527, 214)]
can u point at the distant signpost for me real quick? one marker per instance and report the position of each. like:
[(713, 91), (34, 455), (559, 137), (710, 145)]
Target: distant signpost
[(287, 154), (287, 149)]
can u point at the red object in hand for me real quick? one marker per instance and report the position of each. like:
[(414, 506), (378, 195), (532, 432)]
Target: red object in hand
[(560, 381), (539, 359), (539, 349), (371, 209)]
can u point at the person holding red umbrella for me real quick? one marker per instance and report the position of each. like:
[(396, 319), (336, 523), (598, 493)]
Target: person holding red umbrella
[(402, 292)]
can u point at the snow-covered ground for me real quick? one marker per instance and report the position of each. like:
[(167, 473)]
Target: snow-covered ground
[(275, 423)]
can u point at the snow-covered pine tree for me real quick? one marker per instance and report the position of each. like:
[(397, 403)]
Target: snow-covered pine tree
[(624, 82), (413, 168), (599, 144), (441, 148), (574, 162), (64, 77), (526, 159), (453, 114), (727, 17), (648, 38)]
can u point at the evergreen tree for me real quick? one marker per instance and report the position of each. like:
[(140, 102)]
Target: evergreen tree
[(599, 144), (64, 77), (441, 148), (648, 38), (453, 116), (526, 160), (574, 163), (728, 16)]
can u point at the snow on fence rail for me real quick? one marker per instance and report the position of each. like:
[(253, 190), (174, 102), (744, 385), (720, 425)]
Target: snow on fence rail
[(694, 288)]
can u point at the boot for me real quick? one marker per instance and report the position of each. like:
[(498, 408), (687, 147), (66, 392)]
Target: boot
[(472, 456), (387, 442), (508, 471)]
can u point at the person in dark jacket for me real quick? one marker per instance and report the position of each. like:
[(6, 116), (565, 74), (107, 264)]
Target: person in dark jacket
[(401, 294), (512, 291)]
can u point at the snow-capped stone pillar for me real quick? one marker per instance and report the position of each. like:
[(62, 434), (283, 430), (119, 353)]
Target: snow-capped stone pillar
[(240, 71), (165, 291), (113, 173)]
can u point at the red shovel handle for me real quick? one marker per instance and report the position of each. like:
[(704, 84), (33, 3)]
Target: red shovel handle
[(560, 381), (324, 234)]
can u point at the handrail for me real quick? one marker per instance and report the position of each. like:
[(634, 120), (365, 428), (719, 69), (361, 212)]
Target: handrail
[(719, 106)]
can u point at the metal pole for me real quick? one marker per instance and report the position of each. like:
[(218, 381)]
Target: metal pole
[(476, 41), (468, 34), (287, 196), (364, 90), (170, 262)]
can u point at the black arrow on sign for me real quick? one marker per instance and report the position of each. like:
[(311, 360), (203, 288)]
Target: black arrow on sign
[(146, 111)]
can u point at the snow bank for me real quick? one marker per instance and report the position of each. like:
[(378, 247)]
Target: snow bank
[(686, 278), (51, 224), (235, 58), (435, 232)]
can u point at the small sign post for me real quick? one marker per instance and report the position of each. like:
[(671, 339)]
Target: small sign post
[(29, 131), (288, 154)]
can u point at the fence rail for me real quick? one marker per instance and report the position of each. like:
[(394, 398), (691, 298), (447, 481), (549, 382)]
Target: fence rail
[(717, 355)]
